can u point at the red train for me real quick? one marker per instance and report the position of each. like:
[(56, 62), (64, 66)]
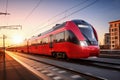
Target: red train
[(72, 39)]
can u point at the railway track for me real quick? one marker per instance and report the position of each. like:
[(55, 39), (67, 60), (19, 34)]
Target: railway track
[(98, 62), (103, 63), (86, 73)]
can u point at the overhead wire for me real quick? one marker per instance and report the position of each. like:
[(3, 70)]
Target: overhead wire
[(75, 12), (34, 8), (82, 8), (79, 4), (30, 13), (68, 9), (68, 15)]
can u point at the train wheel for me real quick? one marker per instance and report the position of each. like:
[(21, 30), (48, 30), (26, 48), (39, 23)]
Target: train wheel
[(54, 54), (61, 55)]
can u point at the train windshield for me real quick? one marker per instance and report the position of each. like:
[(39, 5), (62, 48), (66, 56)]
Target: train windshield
[(88, 33)]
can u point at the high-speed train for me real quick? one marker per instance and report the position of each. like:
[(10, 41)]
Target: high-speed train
[(72, 39)]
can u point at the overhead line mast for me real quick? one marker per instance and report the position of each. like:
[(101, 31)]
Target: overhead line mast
[(11, 27), (4, 13), (7, 27)]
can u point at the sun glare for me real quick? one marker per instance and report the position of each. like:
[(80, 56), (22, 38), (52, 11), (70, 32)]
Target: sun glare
[(17, 39)]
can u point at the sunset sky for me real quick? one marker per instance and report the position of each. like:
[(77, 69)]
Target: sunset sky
[(37, 16)]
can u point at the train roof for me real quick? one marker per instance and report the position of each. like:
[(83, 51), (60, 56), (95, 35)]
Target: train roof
[(79, 21), (57, 26)]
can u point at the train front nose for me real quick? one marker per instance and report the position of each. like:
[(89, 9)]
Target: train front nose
[(93, 51)]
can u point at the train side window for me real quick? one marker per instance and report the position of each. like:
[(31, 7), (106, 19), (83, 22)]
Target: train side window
[(29, 43), (33, 42), (45, 40), (60, 37), (39, 41), (54, 39), (70, 37), (67, 36)]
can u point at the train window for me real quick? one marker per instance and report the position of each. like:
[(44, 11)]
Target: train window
[(45, 40), (39, 41), (70, 37), (29, 43), (60, 37), (86, 30), (34, 42)]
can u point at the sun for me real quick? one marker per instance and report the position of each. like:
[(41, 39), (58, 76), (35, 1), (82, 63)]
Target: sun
[(17, 39)]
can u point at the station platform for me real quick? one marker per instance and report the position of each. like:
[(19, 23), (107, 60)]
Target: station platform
[(12, 70)]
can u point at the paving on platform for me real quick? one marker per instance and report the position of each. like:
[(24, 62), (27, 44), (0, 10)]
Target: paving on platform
[(12, 70)]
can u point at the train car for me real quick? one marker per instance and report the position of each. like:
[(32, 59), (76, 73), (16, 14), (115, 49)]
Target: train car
[(72, 39)]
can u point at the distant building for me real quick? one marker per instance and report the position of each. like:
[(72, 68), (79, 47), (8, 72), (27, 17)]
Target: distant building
[(114, 31), (107, 41)]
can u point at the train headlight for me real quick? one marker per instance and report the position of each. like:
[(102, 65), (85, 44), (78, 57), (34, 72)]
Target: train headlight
[(83, 43)]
